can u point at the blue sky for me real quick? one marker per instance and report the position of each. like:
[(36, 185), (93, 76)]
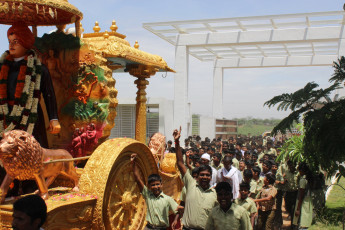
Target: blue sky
[(245, 90)]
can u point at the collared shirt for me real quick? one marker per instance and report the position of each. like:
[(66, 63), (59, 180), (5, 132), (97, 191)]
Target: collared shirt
[(217, 167), (248, 204), (256, 186), (199, 203), (266, 192), (158, 208), (236, 218)]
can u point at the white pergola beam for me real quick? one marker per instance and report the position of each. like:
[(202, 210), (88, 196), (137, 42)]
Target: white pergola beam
[(319, 34), (288, 61)]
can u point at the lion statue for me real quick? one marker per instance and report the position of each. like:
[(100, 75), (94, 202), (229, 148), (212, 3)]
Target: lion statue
[(24, 159)]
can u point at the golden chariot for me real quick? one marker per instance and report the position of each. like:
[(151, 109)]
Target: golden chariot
[(81, 66)]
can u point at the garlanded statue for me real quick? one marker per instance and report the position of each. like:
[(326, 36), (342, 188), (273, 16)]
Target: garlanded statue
[(23, 159), (22, 81)]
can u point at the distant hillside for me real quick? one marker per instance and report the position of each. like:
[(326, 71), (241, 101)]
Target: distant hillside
[(255, 126), (254, 130)]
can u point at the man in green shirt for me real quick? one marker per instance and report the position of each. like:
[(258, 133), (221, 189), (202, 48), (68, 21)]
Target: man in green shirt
[(227, 215), (200, 197), (158, 204)]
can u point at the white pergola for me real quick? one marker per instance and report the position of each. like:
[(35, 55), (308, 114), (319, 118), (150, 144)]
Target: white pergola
[(308, 39)]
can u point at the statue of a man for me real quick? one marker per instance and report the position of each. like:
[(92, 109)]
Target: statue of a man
[(22, 81)]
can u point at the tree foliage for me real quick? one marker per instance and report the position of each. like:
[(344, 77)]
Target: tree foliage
[(323, 120)]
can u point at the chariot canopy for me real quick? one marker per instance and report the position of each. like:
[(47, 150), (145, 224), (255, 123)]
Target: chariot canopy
[(39, 12)]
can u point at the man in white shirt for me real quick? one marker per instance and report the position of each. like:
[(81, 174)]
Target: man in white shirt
[(231, 175)]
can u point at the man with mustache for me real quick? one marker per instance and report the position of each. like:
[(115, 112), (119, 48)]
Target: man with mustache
[(200, 197)]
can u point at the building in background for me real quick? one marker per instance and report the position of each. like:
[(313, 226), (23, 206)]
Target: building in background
[(159, 118)]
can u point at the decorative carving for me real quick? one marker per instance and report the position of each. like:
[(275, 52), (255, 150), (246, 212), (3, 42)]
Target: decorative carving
[(114, 46), (4, 7), (39, 12), (108, 175), (157, 146), (140, 119), (23, 158)]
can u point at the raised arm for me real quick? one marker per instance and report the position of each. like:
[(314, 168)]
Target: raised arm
[(137, 178), (188, 160), (180, 164)]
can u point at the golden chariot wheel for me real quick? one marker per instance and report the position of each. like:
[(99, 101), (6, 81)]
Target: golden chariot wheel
[(108, 175)]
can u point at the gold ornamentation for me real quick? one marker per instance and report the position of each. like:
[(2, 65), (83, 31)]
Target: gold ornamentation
[(115, 45), (4, 7), (51, 12), (113, 26), (58, 4), (106, 35), (136, 45), (73, 213), (96, 28), (108, 175), (13, 8), (140, 120), (20, 8)]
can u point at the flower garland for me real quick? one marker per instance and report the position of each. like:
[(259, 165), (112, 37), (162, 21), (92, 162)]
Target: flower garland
[(24, 112)]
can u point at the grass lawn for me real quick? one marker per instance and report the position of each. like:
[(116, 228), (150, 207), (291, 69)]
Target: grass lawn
[(254, 130), (335, 209)]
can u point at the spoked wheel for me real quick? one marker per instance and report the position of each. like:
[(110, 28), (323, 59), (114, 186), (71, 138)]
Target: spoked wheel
[(108, 175)]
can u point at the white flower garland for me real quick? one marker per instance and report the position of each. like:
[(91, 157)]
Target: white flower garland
[(31, 103)]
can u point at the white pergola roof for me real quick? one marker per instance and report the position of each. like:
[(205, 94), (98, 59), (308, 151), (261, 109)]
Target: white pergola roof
[(262, 41)]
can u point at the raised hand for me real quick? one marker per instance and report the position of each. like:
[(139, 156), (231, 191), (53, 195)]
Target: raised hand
[(177, 134)]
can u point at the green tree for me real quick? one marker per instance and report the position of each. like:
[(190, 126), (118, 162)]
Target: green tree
[(324, 126)]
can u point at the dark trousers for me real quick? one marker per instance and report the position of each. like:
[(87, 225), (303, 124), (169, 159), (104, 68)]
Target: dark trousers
[(290, 202), (265, 220), (278, 219)]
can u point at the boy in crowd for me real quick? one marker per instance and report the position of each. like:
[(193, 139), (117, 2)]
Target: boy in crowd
[(258, 182), (29, 213), (236, 159), (216, 161), (227, 215), (205, 158), (266, 201), (266, 167), (200, 197), (231, 175), (255, 159), (246, 202), (158, 204), (249, 164)]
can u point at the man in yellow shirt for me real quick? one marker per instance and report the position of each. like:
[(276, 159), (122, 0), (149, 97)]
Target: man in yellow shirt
[(200, 196), (227, 215)]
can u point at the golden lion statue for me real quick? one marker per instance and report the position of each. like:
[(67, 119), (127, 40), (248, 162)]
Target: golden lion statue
[(23, 159)]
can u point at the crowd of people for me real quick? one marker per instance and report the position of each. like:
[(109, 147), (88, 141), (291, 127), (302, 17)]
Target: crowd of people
[(231, 184)]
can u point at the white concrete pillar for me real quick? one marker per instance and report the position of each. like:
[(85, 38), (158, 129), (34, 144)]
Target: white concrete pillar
[(218, 92), (181, 113)]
